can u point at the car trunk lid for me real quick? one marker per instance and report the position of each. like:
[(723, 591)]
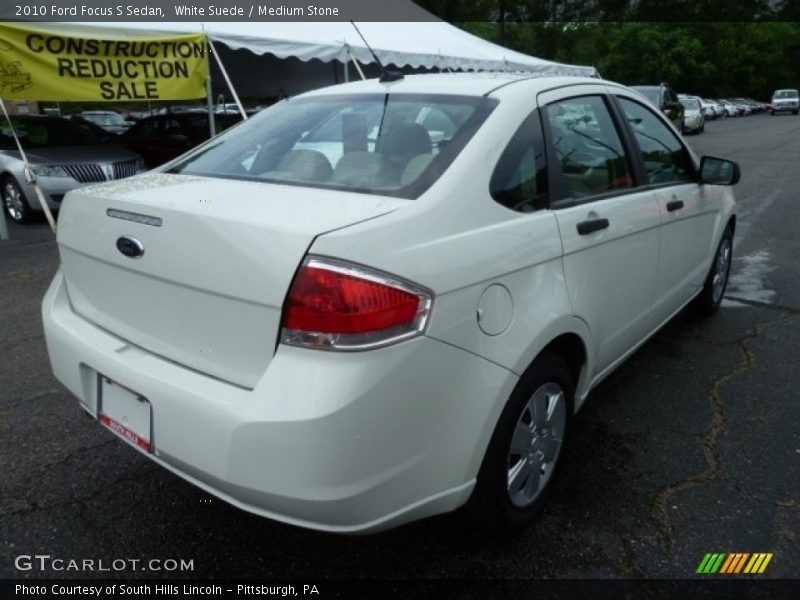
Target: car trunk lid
[(219, 257)]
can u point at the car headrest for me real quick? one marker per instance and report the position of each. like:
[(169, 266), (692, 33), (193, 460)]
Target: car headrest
[(306, 165), (406, 140), (364, 170)]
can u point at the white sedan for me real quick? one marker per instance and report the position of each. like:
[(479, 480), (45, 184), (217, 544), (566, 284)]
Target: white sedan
[(382, 301)]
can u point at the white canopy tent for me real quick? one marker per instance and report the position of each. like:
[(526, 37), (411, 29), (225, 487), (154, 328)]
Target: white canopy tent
[(424, 44)]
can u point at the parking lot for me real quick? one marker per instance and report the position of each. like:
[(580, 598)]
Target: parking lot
[(691, 447)]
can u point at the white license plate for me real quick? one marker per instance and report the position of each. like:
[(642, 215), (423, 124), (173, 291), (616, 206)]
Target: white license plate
[(125, 413)]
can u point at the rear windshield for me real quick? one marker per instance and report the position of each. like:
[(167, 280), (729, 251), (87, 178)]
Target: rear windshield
[(389, 144), (104, 119), (785, 94), (690, 103)]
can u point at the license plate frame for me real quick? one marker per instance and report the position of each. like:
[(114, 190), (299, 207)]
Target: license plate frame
[(125, 412)]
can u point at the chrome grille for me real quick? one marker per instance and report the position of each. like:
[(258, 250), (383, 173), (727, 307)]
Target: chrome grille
[(124, 168), (92, 173), (86, 173)]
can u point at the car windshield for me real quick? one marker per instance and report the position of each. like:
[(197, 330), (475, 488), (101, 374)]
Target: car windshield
[(104, 119), (389, 144), (786, 94), (46, 133), (690, 103)]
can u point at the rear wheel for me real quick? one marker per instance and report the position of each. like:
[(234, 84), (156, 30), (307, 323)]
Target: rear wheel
[(14, 201), (525, 449), (709, 300)]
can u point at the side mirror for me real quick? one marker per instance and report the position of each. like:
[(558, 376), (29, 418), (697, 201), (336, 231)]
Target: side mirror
[(719, 171)]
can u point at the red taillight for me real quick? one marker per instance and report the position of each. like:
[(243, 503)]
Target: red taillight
[(339, 306)]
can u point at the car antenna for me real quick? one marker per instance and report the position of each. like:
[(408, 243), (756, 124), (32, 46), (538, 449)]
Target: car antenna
[(386, 75)]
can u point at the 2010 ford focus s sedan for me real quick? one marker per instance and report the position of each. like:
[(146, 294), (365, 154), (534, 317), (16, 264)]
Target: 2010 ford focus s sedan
[(381, 301)]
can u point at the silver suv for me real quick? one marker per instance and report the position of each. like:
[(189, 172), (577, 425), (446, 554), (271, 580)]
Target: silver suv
[(785, 100)]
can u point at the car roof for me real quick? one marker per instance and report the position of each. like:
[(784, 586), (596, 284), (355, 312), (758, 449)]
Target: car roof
[(464, 84)]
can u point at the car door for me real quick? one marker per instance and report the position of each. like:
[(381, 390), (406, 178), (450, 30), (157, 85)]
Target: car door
[(142, 139), (609, 228), (689, 214)]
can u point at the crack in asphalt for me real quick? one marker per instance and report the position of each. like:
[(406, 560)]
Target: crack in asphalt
[(33, 507), (33, 398), (713, 470), (628, 568), (45, 467), (778, 307), (787, 504)]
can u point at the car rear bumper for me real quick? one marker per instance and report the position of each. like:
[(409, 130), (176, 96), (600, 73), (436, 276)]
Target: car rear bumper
[(341, 442)]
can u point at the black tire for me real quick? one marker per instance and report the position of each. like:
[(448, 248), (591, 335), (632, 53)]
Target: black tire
[(491, 506), (702, 128), (707, 303), (10, 190), (794, 112), (772, 113)]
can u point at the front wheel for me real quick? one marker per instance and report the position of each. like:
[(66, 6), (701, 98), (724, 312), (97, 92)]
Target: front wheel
[(14, 201), (710, 298), (525, 449)]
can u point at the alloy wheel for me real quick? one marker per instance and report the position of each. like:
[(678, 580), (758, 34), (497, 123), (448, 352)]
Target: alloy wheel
[(721, 270), (12, 198), (536, 444)]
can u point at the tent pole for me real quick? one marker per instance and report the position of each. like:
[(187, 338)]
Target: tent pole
[(358, 68), (30, 176), (212, 126), (227, 79)]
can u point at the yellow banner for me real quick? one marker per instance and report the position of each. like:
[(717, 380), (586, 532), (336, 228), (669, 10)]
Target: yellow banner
[(40, 65)]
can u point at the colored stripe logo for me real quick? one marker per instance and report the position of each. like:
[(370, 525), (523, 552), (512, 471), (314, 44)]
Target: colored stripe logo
[(734, 563)]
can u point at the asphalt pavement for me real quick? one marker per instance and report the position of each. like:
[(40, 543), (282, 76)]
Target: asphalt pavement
[(690, 447)]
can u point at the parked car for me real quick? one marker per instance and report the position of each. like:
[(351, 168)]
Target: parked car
[(110, 121), (693, 118), (97, 131), (745, 107), (731, 110), (785, 100), (715, 108), (161, 138), (709, 113), (64, 157), (664, 98), (350, 346), (756, 107)]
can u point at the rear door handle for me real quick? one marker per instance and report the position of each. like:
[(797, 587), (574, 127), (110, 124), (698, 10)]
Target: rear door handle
[(587, 227), (674, 205)]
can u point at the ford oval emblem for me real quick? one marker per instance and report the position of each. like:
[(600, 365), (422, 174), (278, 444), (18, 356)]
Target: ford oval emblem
[(130, 246)]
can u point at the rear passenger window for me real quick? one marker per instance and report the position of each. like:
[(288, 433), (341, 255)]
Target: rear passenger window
[(665, 158), (519, 181), (590, 154)]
